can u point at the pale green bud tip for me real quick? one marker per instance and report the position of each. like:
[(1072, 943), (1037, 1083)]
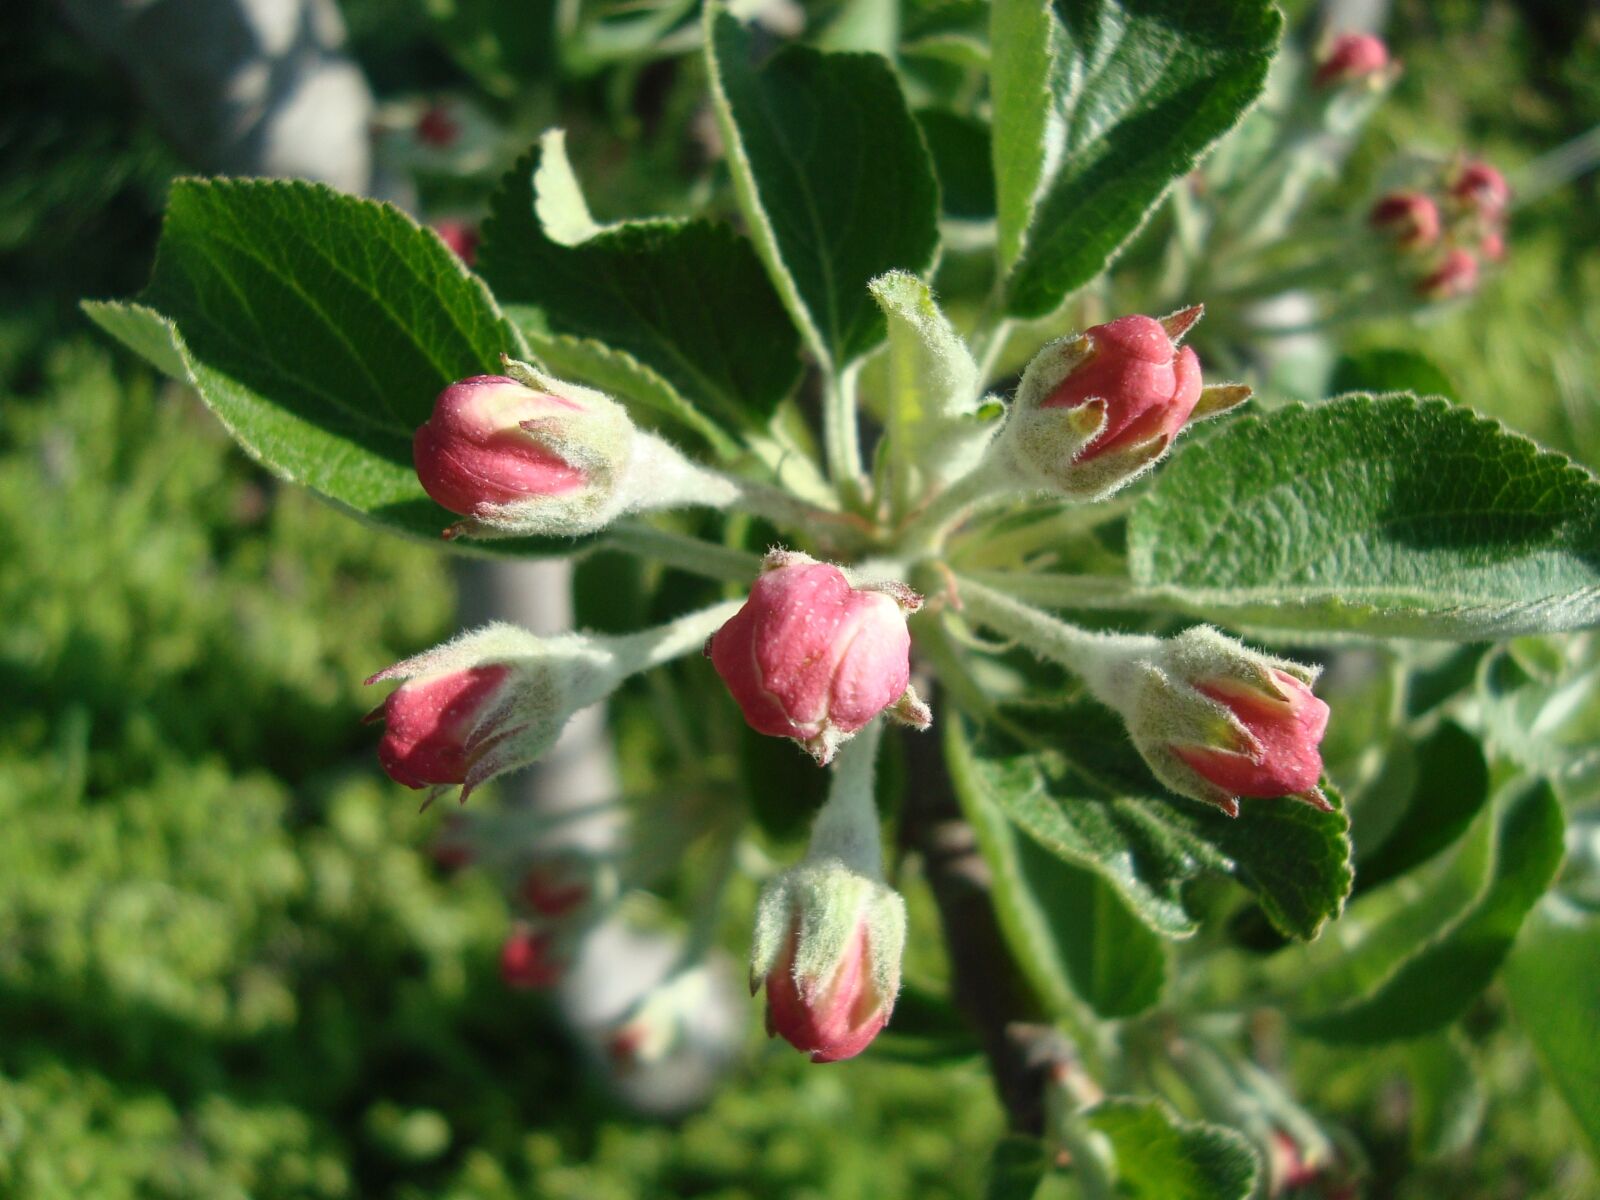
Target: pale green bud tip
[(828, 947)]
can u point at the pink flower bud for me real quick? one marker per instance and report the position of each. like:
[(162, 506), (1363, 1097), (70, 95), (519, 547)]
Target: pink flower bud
[(1456, 275), (1286, 726), (1410, 217), (811, 658), (828, 946), (528, 959), (1351, 57), (429, 721), (1493, 246), (437, 128), (1216, 720), (1148, 385), (832, 1017), (554, 887), (482, 447), (1096, 410), (1480, 188), (461, 236)]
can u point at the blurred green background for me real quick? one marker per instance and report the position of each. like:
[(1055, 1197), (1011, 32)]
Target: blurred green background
[(227, 965)]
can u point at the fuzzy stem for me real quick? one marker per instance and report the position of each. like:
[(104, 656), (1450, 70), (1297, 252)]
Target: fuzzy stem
[(695, 555), (1100, 658), (841, 439), (925, 533), (847, 826), (641, 651)]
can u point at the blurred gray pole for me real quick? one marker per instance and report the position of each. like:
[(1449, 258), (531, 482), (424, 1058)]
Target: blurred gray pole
[(244, 87)]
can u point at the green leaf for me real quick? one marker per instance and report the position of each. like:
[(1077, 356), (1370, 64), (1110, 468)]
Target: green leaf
[(832, 176), (319, 328), (1436, 985), (962, 160), (1099, 107), (1452, 783), (1070, 931), (1101, 810), (1157, 1156), (686, 299), (503, 44), (1555, 993), (1017, 1166), (651, 399), (1391, 371), (1381, 515), (1447, 1101)]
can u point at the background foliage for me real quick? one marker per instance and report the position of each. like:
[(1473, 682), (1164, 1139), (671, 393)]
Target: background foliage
[(226, 964)]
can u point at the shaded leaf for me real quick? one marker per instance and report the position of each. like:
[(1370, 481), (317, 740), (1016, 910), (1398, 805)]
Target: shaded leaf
[(1157, 1156), (686, 299), (1100, 106), (1451, 785), (832, 175), (1435, 985), (1555, 993), (1379, 371)]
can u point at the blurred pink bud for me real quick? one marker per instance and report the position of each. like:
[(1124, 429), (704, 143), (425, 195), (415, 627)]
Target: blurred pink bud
[(1481, 188), (461, 236), (1456, 275), (1287, 729), (437, 128), (429, 721), (1351, 57), (528, 960), (833, 1014), (554, 888), (452, 849), (1493, 246), (1410, 217), (1287, 1165), (1147, 385), (488, 444), (811, 658)]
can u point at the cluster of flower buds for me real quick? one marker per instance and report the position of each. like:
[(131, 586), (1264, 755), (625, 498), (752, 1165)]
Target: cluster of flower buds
[(828, 945), (1355, 60), (1218, 721), (813, 658), (1096, 410), (1446, 232), (559, 894), (526, 453)]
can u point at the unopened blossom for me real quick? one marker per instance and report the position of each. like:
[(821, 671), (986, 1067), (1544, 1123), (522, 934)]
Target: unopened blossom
[(1350, 58), (813, 658), (1219, 722), (1095, 410), (494, 444), (529, 959), (1411, 218), (1481, 188), (429, 723), (828, 946), (461, 236), (1456, 275)]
